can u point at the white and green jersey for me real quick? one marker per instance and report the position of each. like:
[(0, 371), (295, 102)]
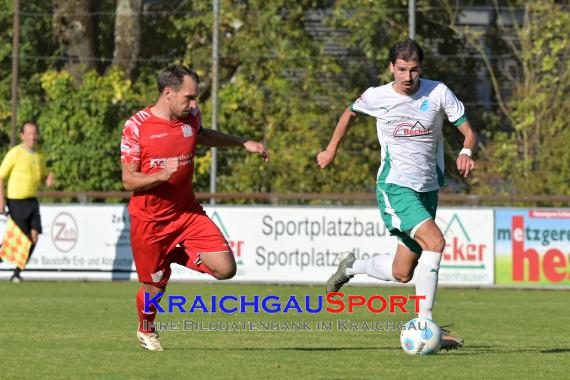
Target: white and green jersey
[(410, 131)]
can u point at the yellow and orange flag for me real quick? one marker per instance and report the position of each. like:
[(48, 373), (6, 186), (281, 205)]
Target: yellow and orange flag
[(15, 245)]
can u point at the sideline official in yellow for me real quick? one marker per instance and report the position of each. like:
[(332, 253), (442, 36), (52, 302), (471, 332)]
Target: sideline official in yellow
[(24, 168)]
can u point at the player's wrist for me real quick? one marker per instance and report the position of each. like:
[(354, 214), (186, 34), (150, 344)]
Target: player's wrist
[(466, 151), (243, 141), (162, 175), (331, 149)]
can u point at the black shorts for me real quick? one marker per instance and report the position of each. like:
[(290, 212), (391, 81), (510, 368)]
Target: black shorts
[(26, 214)]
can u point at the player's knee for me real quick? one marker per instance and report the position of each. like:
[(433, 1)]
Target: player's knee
[(222, 266), (439, 244), (436, 244), (153, 290), (225, 273), (403, 276)]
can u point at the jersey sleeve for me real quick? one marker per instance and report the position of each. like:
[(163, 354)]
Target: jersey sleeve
[(198, 122), (194, 119), (366, 104), (453, 107), (130, 144), (7, 164)]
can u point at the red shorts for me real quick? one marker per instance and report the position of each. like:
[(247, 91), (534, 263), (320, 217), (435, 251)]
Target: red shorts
[(155, 244)]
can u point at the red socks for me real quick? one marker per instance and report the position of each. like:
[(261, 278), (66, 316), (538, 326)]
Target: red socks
[(179, 256), (145, 319)]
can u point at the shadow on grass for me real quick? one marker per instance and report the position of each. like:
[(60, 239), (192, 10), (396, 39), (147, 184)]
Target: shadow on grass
[(314, 349), (555, 351), (468, 350), (488, 349)]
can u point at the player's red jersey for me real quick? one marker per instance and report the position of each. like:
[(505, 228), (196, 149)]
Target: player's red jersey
[(148, 140)]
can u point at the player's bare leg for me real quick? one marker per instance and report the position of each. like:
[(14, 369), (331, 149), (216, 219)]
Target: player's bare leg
[(401, 268), (221, 264), (34, 236), (148, 337), (404, 264), (431, 240)]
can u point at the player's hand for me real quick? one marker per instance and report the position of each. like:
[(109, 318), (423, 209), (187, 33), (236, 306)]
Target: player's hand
[(50, 180), (465, 165), (255, 147), (170, 167), (325, 158)]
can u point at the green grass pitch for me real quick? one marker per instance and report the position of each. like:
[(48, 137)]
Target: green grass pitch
[(74, 330)]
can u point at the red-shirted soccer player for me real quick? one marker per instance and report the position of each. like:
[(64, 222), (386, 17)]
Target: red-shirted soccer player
[(168, 225)]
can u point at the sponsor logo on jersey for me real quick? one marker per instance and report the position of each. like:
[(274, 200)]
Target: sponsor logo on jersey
[(159, 135), (411, 130), (157, 162), (183, 159)]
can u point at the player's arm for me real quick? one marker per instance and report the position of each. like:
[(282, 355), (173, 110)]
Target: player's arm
[(134, 180), (326, 157), (5, 171), (212, 138), (50, 179), (465, 163), (2, 199), (47, 176)]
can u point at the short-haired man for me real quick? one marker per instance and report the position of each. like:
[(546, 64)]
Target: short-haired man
[(409, 116), (168, 225), (24, 168)]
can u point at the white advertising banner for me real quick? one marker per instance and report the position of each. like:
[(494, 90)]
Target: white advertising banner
[(271, 244), (299, 244), (468, 256), (80, 242)]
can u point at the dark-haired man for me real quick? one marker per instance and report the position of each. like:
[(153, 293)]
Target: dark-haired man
[(168, 225), (409, 116)]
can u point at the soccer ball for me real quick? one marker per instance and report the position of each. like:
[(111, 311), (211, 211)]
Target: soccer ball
[(421, 337)]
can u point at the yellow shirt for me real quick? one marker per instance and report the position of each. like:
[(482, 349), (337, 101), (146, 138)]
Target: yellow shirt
[(24, 171)]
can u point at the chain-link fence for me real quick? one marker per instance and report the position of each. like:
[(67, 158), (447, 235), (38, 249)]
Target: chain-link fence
[(312, 57)]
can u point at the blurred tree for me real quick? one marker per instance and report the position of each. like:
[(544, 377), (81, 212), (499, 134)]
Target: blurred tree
[(74, 29), (31, 47), (82, 132), (530, 153), (278, 86), (288, 70), (127, 35)]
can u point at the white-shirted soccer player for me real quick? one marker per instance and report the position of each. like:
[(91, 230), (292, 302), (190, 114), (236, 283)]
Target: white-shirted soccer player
[(409, 116)]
